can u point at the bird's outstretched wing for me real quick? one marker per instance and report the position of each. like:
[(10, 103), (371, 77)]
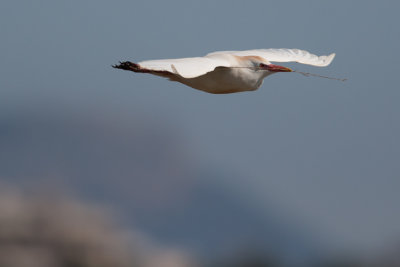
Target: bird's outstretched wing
[(283, 55), (185, 67), (196, 66)]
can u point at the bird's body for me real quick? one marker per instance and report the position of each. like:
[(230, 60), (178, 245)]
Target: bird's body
[(227, 71), (242, 76), (225, 80)]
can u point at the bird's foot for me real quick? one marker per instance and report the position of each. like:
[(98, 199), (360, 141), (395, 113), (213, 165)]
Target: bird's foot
[(127, 65)]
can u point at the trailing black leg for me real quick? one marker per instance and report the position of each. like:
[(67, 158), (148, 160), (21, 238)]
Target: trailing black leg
[(127, 65)]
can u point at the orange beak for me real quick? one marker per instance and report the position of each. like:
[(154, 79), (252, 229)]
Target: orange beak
[(277, 68)]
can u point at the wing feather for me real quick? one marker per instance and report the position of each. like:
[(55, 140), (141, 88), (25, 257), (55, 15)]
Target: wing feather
[(185, 67), (284, 55), (196, 66)]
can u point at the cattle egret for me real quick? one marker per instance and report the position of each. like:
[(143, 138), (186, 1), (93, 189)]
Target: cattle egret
[(226, 72)]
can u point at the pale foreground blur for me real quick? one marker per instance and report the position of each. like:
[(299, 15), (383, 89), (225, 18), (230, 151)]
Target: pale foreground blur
[(53, 230), (49, 230)]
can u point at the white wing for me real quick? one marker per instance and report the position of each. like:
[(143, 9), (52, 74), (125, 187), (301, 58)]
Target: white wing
[(284, 55), (196, 66), (185, 67)]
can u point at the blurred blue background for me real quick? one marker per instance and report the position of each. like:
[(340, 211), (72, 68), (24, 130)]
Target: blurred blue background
[(300, 169)]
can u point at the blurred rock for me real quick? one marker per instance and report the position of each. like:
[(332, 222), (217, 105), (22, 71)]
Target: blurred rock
[(50, 230)]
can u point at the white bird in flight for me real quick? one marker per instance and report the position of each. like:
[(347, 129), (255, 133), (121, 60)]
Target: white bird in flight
[(227, 72)]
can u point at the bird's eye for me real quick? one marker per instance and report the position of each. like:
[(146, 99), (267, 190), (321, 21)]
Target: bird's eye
[(262, 66)]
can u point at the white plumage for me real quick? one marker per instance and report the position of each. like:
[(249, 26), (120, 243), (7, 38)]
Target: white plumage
[(227, 71)]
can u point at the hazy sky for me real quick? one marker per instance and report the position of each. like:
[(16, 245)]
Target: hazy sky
[(328, 151)]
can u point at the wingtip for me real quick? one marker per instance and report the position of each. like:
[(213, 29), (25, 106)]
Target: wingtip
[(326, 60)]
